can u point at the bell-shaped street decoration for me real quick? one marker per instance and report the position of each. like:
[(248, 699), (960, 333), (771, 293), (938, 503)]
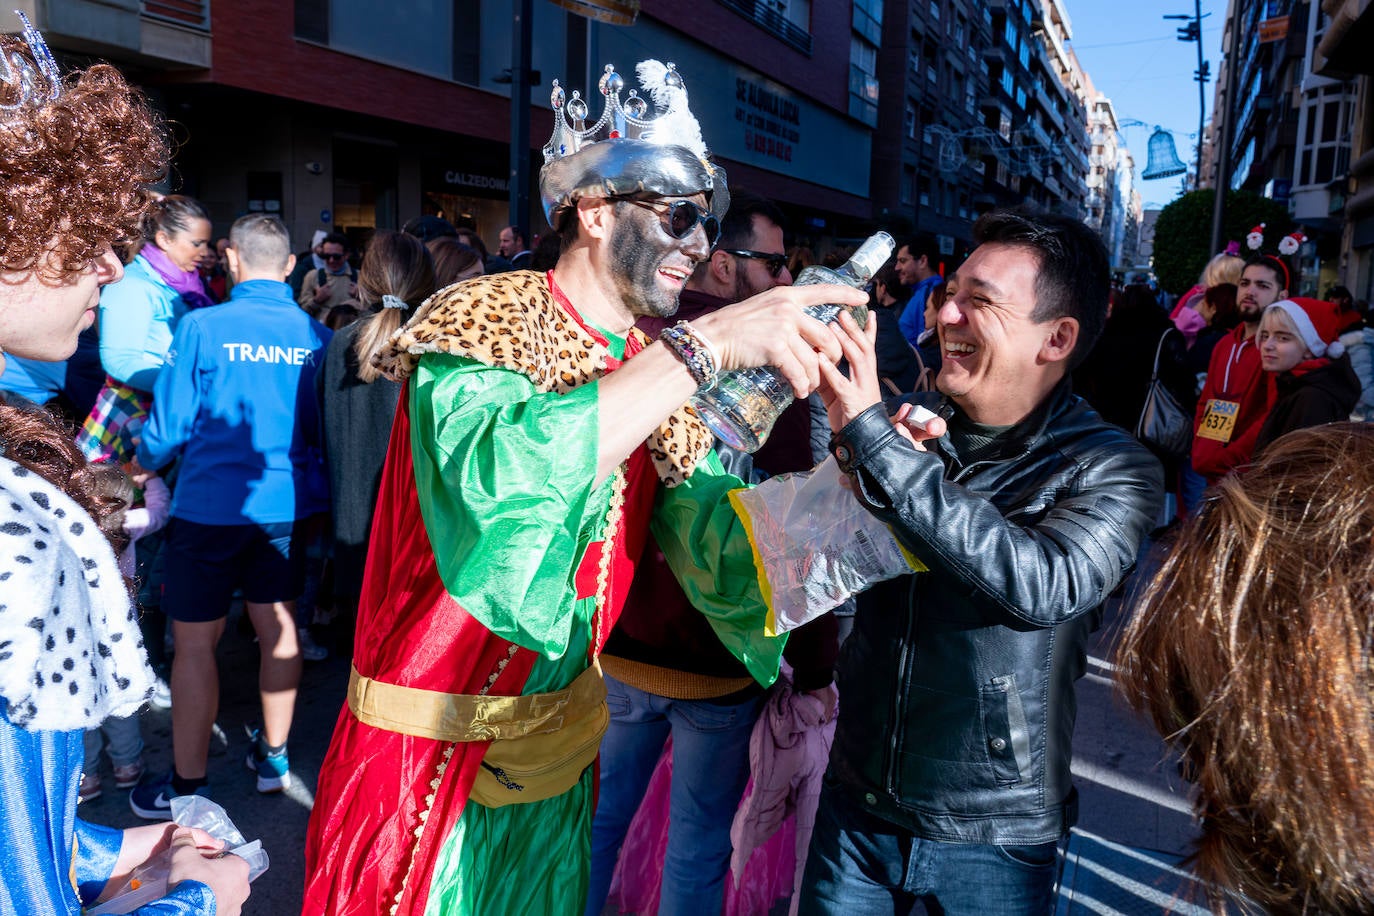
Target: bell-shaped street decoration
[(1163, 158)]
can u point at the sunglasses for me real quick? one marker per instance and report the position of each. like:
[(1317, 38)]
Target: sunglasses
[(332, 257), (681, 217), (774, 262)]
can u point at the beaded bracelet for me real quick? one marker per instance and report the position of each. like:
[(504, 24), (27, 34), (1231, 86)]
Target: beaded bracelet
[(694, 350)]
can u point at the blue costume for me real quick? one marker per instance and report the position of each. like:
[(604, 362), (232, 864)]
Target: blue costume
[(70, 654)]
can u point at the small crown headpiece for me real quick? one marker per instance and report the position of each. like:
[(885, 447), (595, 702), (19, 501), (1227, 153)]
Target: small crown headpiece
[(627, 151), (630, 119), (30, 86)]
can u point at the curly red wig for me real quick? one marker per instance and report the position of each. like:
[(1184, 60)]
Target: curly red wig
[(75, 172), (1251, 653)]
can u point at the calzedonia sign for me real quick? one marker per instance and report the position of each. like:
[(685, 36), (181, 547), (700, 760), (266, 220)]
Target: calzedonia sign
[(460, 179), (481, 179)]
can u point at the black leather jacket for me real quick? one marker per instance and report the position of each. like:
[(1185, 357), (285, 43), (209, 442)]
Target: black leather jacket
[(957, 706)]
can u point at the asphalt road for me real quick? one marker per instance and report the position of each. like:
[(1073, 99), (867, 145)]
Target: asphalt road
[(1129, 789)]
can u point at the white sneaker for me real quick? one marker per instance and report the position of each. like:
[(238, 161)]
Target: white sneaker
[(162, 695)]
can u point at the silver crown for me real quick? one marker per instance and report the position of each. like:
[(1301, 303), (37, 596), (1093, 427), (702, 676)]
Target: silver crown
[(628, 120), (627, 151), (30, 86)]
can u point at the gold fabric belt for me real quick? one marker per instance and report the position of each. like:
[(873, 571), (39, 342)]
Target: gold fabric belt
[(667, 682), (471, 717)]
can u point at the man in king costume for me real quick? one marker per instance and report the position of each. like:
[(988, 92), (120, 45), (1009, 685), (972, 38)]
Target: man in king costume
[(538, 443)]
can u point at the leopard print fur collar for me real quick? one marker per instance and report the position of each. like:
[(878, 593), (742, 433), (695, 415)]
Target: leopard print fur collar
[(511, 321)]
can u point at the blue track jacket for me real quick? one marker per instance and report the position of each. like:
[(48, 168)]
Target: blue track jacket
[(237, 401)]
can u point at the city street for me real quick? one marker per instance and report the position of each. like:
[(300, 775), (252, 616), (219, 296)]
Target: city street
[(1130, 793)]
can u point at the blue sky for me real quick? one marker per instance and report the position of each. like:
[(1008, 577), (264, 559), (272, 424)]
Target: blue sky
[(1133, 57)]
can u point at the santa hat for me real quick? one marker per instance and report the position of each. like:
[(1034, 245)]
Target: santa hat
[(1318, 323)]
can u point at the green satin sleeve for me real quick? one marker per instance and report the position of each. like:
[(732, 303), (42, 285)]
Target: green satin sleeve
[(708, 551), (503, 473)]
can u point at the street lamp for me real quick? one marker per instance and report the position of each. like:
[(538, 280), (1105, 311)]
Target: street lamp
[(1192, 31)]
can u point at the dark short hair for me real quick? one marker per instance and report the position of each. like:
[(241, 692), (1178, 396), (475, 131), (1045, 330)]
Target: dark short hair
[(429, 227), (921, 246), (336, 238), (1075, 276), (737, 228), (1282, 275)]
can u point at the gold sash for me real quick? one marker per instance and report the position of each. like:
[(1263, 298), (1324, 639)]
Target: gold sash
[(540, 742)]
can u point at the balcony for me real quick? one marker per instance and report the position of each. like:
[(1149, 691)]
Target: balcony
[(194, 14), (159, 33), (772, 22)]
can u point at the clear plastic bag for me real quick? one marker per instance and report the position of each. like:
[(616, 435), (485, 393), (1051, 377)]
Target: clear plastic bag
[(815, 545), (148, 882)]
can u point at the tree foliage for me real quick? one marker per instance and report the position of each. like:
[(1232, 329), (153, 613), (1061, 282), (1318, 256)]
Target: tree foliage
[(1183, 232)]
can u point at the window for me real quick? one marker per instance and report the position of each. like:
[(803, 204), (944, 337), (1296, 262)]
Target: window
[(797, 12), (908, 185), (867, 20), (1324, 152), (787, 20), (910, 120), (863, 81), (1020, 97), (960, 27), (438, 37), (934, 9)]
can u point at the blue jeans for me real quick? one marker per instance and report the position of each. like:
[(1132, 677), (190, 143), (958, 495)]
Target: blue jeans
[(860, 863), (710, 770)]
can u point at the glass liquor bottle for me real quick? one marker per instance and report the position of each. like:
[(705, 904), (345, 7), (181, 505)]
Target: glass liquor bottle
[(742, 406)]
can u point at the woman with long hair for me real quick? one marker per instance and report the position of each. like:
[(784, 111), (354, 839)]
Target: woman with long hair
[(78, 154), (357, 404), (138, 316), (453, 261), (1250, 652)]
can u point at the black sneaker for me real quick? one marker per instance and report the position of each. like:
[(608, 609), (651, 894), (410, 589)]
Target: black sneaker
[(152, 799)]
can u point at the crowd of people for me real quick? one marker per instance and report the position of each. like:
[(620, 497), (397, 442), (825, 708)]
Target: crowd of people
[(478, 470)]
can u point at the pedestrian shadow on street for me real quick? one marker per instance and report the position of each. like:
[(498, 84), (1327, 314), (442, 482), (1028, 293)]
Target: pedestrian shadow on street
[(1104, 878)]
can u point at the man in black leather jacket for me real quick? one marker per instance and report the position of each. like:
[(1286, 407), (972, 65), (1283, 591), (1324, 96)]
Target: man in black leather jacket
[(949, 777)]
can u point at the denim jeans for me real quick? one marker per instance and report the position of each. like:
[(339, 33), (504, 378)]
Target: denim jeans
[(124, 742), (710, 770), (860, 863)]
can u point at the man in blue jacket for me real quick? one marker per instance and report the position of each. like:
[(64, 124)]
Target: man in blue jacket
[(235, 403)]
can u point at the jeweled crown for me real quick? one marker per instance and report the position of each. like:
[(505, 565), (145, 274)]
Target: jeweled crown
[(626, 151), (29, 83), (672, 124)]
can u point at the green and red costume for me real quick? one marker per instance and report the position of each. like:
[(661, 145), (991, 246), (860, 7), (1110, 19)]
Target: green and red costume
[(482, 577)]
